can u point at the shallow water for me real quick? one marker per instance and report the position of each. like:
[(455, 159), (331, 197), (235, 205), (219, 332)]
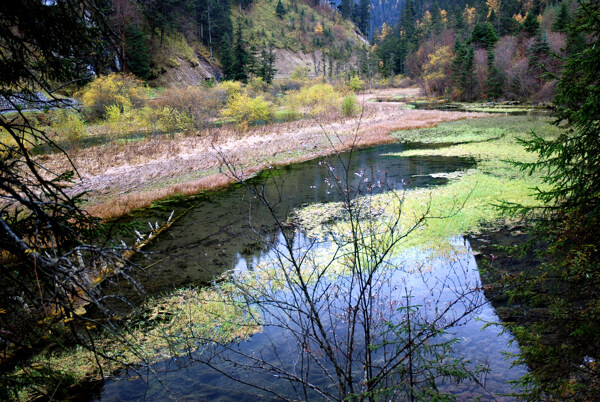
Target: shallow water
[(221, 233), (218, 234)]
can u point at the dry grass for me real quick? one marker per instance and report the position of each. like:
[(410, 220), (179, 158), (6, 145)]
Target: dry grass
[(123, 177)]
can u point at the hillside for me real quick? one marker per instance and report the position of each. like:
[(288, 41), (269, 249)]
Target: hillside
[(190, 40), (304, 35)]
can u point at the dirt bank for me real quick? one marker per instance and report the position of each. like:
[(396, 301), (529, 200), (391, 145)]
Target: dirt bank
[(123, 177)]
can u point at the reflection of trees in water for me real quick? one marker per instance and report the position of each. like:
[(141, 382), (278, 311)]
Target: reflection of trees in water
[(340, 319)]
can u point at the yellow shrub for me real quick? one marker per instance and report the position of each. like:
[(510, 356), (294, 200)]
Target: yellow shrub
[(121, 90), (245, 110), (314, 100), (231, 88), (68, 125), (122, 119), (355, 84)]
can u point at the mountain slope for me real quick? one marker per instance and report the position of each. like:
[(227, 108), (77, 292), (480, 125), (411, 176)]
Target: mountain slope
[(192, 40)]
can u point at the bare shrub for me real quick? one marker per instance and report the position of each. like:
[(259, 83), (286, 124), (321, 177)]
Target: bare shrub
[(202, 105), (481, 72), (519, 79), (505, 53), (546, 92)]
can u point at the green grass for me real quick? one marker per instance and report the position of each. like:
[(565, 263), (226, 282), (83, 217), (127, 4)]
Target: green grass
[(468, 203)]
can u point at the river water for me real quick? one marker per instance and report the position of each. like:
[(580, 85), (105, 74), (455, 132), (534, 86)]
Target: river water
[(221, 232)]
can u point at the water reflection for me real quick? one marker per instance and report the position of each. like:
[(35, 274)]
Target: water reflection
[(432, 282)]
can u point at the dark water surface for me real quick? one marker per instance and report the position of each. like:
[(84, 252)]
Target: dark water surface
[(218, 234)]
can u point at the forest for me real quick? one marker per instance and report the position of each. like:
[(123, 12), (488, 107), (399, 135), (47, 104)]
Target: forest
[(299, 200)]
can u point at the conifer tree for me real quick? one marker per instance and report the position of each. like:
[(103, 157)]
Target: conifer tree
[(531, 25), (463, 68), (562, 19), (409, 20), (280, 9), (505, 20), (346, 8), (137, 51), (539, 52), (364, 16), (239, 70), (226, 57), (494, 81), (436, 19), (266, 69), (484, 35)]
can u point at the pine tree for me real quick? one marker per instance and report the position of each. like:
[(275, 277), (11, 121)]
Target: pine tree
[(436, 19), (531, 25), (562, 19), (463, 69), (494, 81), (346, 8), (266, 69), (364, 17), (505, 20), (280, 9), (239, 70), (226, 57), (457, 76), (572, 161), (538, 53), (484, 35), (409, 20), (138, 52)]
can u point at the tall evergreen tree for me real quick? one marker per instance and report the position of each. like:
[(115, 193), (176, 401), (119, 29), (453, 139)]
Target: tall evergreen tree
[(408, 21), (436, 18), (226, 51), (531, 25), (463, 69), (562, 19), (494, 82), (484, 35), (364, 16), (239, 71), (538, 55), (137, 51), (266, 68), (346, 8)]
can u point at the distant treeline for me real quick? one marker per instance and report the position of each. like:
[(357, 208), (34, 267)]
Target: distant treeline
[(487, 49)]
